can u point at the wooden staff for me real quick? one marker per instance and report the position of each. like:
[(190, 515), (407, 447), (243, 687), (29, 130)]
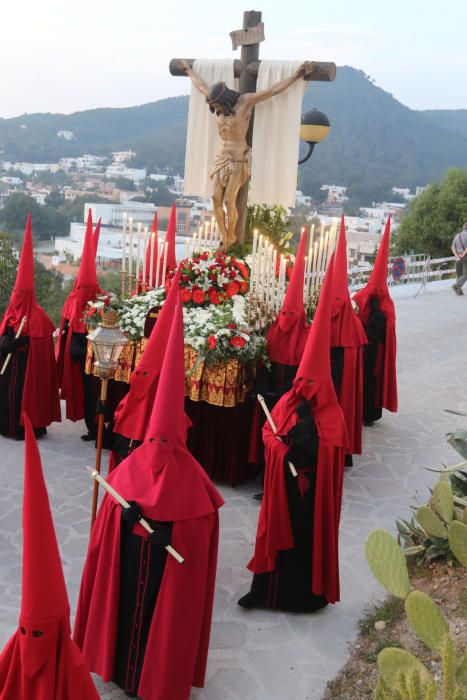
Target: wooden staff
[(144, 523), (270, 419), (8, 357)]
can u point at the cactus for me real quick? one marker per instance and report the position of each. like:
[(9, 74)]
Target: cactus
[(387, 563), (442, 500), (430, 522), (392, 662), (457, 534), (461, 673), (464, 516), (426, 619), (406, 687)]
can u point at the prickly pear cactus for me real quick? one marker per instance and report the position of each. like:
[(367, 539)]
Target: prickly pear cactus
[(457, 534), (443, 501), (387, 563), (461, 673), (464, 516), (430, 522), (426, 619), (392, 662)]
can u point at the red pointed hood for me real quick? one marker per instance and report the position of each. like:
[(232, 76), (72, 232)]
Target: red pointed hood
[(313, 379), (346, 328), (161, 475), (287, 336), (85, 286), (155, 230), (44, 592), (86, 276), (23, 299), (170, 240), (131, 416), (377, 285), (96, 236)]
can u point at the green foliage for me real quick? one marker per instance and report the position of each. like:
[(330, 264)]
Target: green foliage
[(110, 280), (392, 662), (381, 644), (457, 535), (406, 687), (8, 267), (426, 619), (430, 522), (387, 563), (270, 222), (434, 217), (124, 183), (50, 292), (390, 610), (442, 501)]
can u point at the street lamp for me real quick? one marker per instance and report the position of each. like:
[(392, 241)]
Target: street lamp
[(107, 342), (314, 127)]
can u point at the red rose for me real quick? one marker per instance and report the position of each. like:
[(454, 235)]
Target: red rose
[(243, 270), (186, 295), (198, 296), (212, 342), (243, 287), (238, 342), (232, 289), (204, 256), (184, 278), (288, 272), (214, 297), (93, 311), (232, 274), (232, 325)]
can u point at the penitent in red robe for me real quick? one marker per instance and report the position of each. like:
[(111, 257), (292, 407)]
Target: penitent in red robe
[(168, 646)]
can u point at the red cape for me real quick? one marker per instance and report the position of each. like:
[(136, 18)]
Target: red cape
[(176, 653), (386, 389), (274, 529), (347, 332)]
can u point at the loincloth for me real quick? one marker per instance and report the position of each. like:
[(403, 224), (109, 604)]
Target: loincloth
[(225, 164)]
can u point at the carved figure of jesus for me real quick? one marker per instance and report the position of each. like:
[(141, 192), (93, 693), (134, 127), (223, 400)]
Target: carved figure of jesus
[(232, 166)]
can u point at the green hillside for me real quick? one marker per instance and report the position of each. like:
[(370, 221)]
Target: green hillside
[(375, 141)]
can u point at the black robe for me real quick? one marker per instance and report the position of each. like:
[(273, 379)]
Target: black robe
[(288, 587), (12, 383), (376, 334), (78, 350), (142, 563)]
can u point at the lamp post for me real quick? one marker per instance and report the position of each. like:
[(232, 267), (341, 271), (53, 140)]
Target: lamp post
[(314, 127), (107, 342)]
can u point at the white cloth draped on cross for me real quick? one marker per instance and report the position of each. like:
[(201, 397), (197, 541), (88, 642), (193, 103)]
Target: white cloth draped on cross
[(275, 134)]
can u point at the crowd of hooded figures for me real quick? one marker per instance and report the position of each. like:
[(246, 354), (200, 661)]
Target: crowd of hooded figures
[(144, 617)]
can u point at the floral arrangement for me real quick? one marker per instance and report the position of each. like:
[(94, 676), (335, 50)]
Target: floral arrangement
[(106, 301), (215, 330), (211, 278)]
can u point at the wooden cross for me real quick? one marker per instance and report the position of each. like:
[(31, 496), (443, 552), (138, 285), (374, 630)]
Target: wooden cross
[(246, 69)]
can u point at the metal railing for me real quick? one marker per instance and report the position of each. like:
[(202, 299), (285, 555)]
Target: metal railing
[(416, 268)]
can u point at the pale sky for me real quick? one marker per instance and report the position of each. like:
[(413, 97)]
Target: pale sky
[(58, 56)]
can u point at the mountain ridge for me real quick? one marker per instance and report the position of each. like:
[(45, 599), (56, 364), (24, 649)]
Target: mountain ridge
[(375, 141)]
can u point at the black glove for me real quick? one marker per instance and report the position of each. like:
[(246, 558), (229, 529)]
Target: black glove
[(303, 439), (131, 515), (13, 344), (161, 536)]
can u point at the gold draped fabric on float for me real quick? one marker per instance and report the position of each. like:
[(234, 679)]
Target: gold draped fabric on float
[(222, 384)]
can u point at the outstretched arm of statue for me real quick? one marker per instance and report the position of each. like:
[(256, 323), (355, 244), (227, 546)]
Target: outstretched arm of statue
[(195, 79), (254, 98)]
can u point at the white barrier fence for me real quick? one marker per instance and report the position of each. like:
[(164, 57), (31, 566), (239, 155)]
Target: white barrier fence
[(406, 269)]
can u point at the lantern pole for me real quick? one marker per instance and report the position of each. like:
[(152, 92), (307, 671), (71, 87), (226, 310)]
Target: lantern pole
[(100, 435)]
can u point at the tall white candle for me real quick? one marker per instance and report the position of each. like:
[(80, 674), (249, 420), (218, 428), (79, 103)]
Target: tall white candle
[(253, 252), (273, 279), (138, 250), (130, 241), (315, 262), (187, 248), (124, 242), (318, 264), (151, 260), (206, 229), (145, 248), (158, 263), (164, 264)]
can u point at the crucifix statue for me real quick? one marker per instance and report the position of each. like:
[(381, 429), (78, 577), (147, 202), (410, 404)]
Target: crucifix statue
[(234, 114)]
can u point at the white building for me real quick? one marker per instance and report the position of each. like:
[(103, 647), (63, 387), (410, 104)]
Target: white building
[(11, 180), (116, 170), (336, 193), (122, 156), (112, 214), (66, 135), (302, 200)]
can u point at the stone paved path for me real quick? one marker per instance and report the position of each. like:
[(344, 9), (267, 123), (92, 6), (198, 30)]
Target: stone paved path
[(259, 655)]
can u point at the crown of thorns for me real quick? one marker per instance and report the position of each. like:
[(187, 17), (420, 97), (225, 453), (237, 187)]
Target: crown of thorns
[(216, 93)]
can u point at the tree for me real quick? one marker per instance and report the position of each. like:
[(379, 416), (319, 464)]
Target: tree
[(50, 292), (124, 183), (54, 199), (8, 267), (434, 217), (15, 212)]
